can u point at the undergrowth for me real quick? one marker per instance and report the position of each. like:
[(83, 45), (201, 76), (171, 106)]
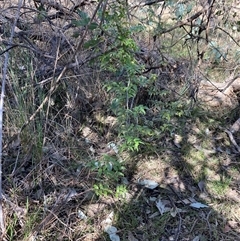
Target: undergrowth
[(125, 111)]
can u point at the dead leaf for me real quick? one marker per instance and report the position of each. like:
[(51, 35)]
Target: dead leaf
[(131, 237), (108, 228), (201, 186), (198, 205), (148, 184), (197, 238), (174, 211), (114, 237), (111, 230), (81, 215), (161, 205)]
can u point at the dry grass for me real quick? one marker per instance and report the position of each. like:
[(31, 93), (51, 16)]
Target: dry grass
[(47, 176)]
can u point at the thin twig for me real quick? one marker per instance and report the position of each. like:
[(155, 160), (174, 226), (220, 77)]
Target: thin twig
[(194, 223), (180, 220), (209, 226), (231, 138), (229, 36)]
